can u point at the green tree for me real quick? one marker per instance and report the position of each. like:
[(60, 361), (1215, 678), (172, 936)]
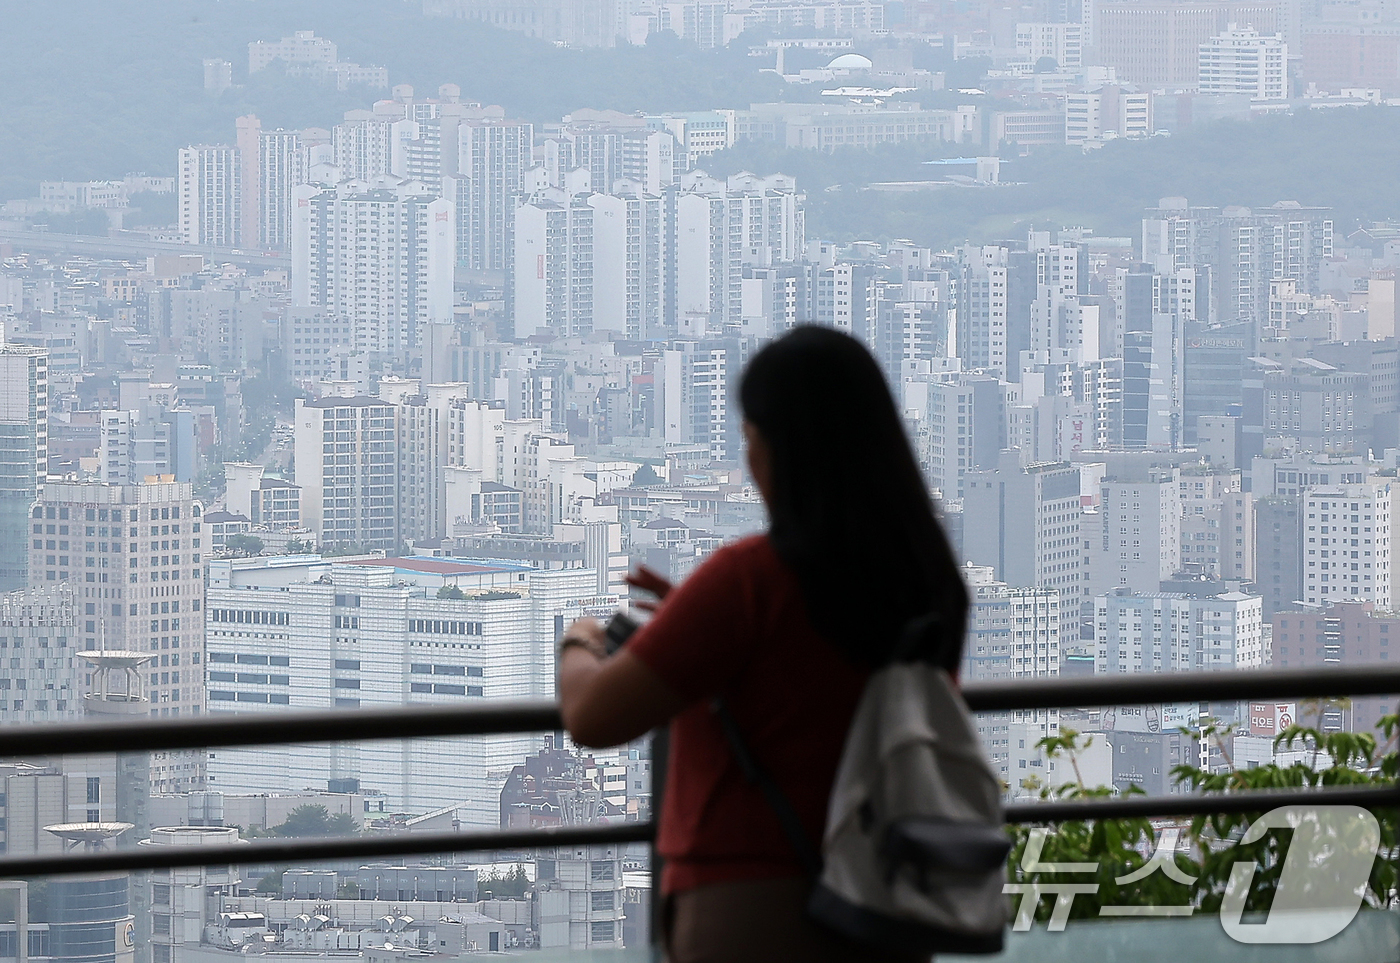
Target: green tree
[(1118, 847), (646, 475), (512, 884), (243, 544), (296, 546), (450, 592), (313, 819)]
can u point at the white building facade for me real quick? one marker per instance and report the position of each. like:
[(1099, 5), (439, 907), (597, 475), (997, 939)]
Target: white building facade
[(302, 632), (1346, 544), (379, 256), (1240, 61)]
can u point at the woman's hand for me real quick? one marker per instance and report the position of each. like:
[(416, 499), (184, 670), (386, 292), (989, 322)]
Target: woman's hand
[(608, 700), (588, 631), (649, 581)]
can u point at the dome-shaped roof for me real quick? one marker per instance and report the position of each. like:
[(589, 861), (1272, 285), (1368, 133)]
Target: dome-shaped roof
[(850, 61)]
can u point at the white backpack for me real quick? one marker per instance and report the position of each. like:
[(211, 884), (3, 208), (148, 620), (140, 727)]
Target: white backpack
[(914, 854)]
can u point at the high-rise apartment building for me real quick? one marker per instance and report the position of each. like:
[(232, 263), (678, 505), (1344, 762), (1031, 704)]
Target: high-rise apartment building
[(595, 262), (719, 227), (283, 166), (1026, 525), (24, 453), (494, 157), (612, 147), (210, 196), (1242, 249), (983, 310), (347, 465), (136, 444), (1217, 525), (363, 144), (1166, 632), (1139, 544), (1012, 633), (961, 425), (380, 257), (1278, 552), (554, 263), (1346, 544), (697, 381), (134, 557), (1350, 634), (1241, 61)]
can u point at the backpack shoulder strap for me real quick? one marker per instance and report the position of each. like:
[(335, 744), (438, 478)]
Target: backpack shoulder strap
[(777, 801)]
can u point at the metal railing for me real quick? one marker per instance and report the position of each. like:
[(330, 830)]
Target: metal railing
[(539, 715)]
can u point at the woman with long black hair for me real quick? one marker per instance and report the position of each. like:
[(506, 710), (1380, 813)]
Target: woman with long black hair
[(784, 627)]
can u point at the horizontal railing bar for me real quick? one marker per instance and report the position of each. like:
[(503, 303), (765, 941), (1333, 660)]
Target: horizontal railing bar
[(276, 851), (1062, 692), (500, 716), (1199, 804), (496, 717), (292, 851)]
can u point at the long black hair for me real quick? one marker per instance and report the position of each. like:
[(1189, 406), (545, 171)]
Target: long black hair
[(848, 509)]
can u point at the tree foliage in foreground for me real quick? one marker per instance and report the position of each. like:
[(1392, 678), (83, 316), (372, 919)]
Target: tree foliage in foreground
[(1119, 847)]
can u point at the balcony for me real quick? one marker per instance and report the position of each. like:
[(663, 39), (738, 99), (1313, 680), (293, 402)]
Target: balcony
[(1139, 933)]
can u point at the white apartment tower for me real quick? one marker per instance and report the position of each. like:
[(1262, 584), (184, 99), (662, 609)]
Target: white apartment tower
[(722, 226), (363, 145), (347, 464), (696, 381), (210, 185), (24, 427), (553, 260), (427, 445), (1164, 632), (493, 158), (611, 153), (982, 310), (630, 257), (1140, 538), (378, 256), (282, 167), (1346, 544), (1240, 61), (1013, 633)]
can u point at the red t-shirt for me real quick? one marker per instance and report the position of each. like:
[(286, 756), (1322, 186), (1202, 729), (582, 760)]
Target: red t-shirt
[(738, 627)]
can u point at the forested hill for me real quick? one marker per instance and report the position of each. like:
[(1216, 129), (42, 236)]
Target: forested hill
[(1344, 158), (101, 89)]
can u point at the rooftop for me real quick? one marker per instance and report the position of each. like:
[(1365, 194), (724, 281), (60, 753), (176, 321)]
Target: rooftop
[(445, 566)]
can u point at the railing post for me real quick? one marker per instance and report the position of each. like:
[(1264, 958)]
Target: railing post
[(660, 759)]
